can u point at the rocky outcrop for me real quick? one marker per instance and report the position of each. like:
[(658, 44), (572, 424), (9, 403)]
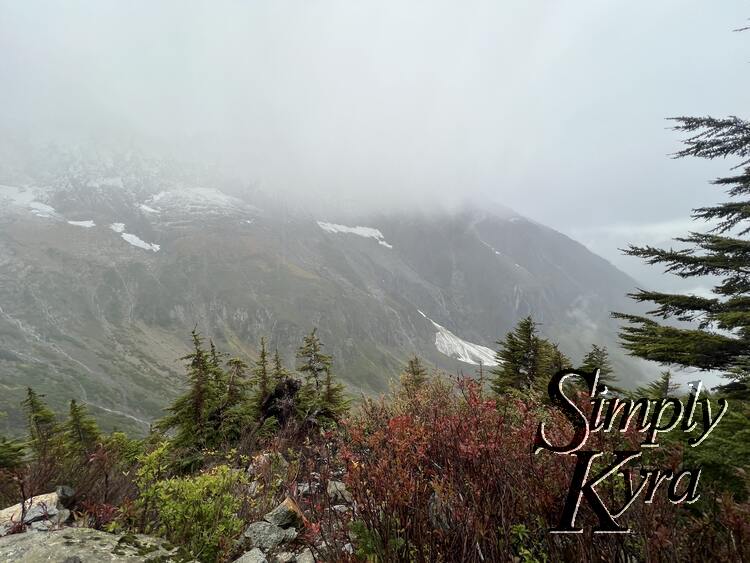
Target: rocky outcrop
[(42, 512), (84, 545)]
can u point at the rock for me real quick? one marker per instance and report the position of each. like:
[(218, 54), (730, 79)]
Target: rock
[(84, 545), (348, 548), (286, 515), (65, 496), (285, 557), (337, 492), (306, 489), (268, 536), (306, 556), (255, 555), (340, 508), (40, 507), (63, 516)]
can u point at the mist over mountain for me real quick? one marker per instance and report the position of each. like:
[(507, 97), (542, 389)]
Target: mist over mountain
[(111, 257)]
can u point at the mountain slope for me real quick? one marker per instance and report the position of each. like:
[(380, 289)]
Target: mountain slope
[(109, 262)]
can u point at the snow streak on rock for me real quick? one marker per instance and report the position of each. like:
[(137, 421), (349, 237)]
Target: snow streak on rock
[(136, 241), (367, 232), (118, 227), (85, 224), (454, 347), (25, 197)]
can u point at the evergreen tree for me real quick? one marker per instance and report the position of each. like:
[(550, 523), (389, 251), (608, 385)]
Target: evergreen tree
[(262, 375), (313, 362), (196, 415), (555, 359), (40, 421), (237, 412), (598, 358), (662, 388), (520, 358), (80, 433), (720, 336), (414, 375), (333, 401)]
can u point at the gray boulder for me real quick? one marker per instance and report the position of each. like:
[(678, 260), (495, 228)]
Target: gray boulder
[(268, 536), (255, 555), (337, 492), (286, 515)]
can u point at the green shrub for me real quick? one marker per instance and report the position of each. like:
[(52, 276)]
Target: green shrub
[(199, 513)]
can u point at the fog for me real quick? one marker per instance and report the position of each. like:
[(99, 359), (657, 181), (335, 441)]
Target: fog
[(554, 109)]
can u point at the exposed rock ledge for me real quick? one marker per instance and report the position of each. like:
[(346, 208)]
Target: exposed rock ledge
[(84, 545)]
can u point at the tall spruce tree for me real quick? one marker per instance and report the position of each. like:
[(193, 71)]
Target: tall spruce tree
[(41, 423), (195, 415), (520, 358), (313, 363), (719, 338), (598, 358), (79, 432)]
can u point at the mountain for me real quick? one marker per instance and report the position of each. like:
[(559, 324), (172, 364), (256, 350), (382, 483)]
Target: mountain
[(109, 259)]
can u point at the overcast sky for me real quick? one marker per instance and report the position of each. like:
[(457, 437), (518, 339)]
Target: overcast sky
[(555, 109)]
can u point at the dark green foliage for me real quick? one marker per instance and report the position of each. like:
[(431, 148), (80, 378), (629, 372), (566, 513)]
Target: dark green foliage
[(715, 331), (41, 423), (520, 358), (80, 434), (720, 337)]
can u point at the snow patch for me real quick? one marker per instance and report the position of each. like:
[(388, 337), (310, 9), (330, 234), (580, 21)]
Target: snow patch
[(26, 198), (85, 224), (138, 242), (454, 347), (367, 232), (118, 227), (148, 209)]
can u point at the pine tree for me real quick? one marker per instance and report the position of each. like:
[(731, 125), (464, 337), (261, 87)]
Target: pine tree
[(598, 358), (520, 358), (80, 433), (41, 423), (662, 388), (720, 336), (414, 375)]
